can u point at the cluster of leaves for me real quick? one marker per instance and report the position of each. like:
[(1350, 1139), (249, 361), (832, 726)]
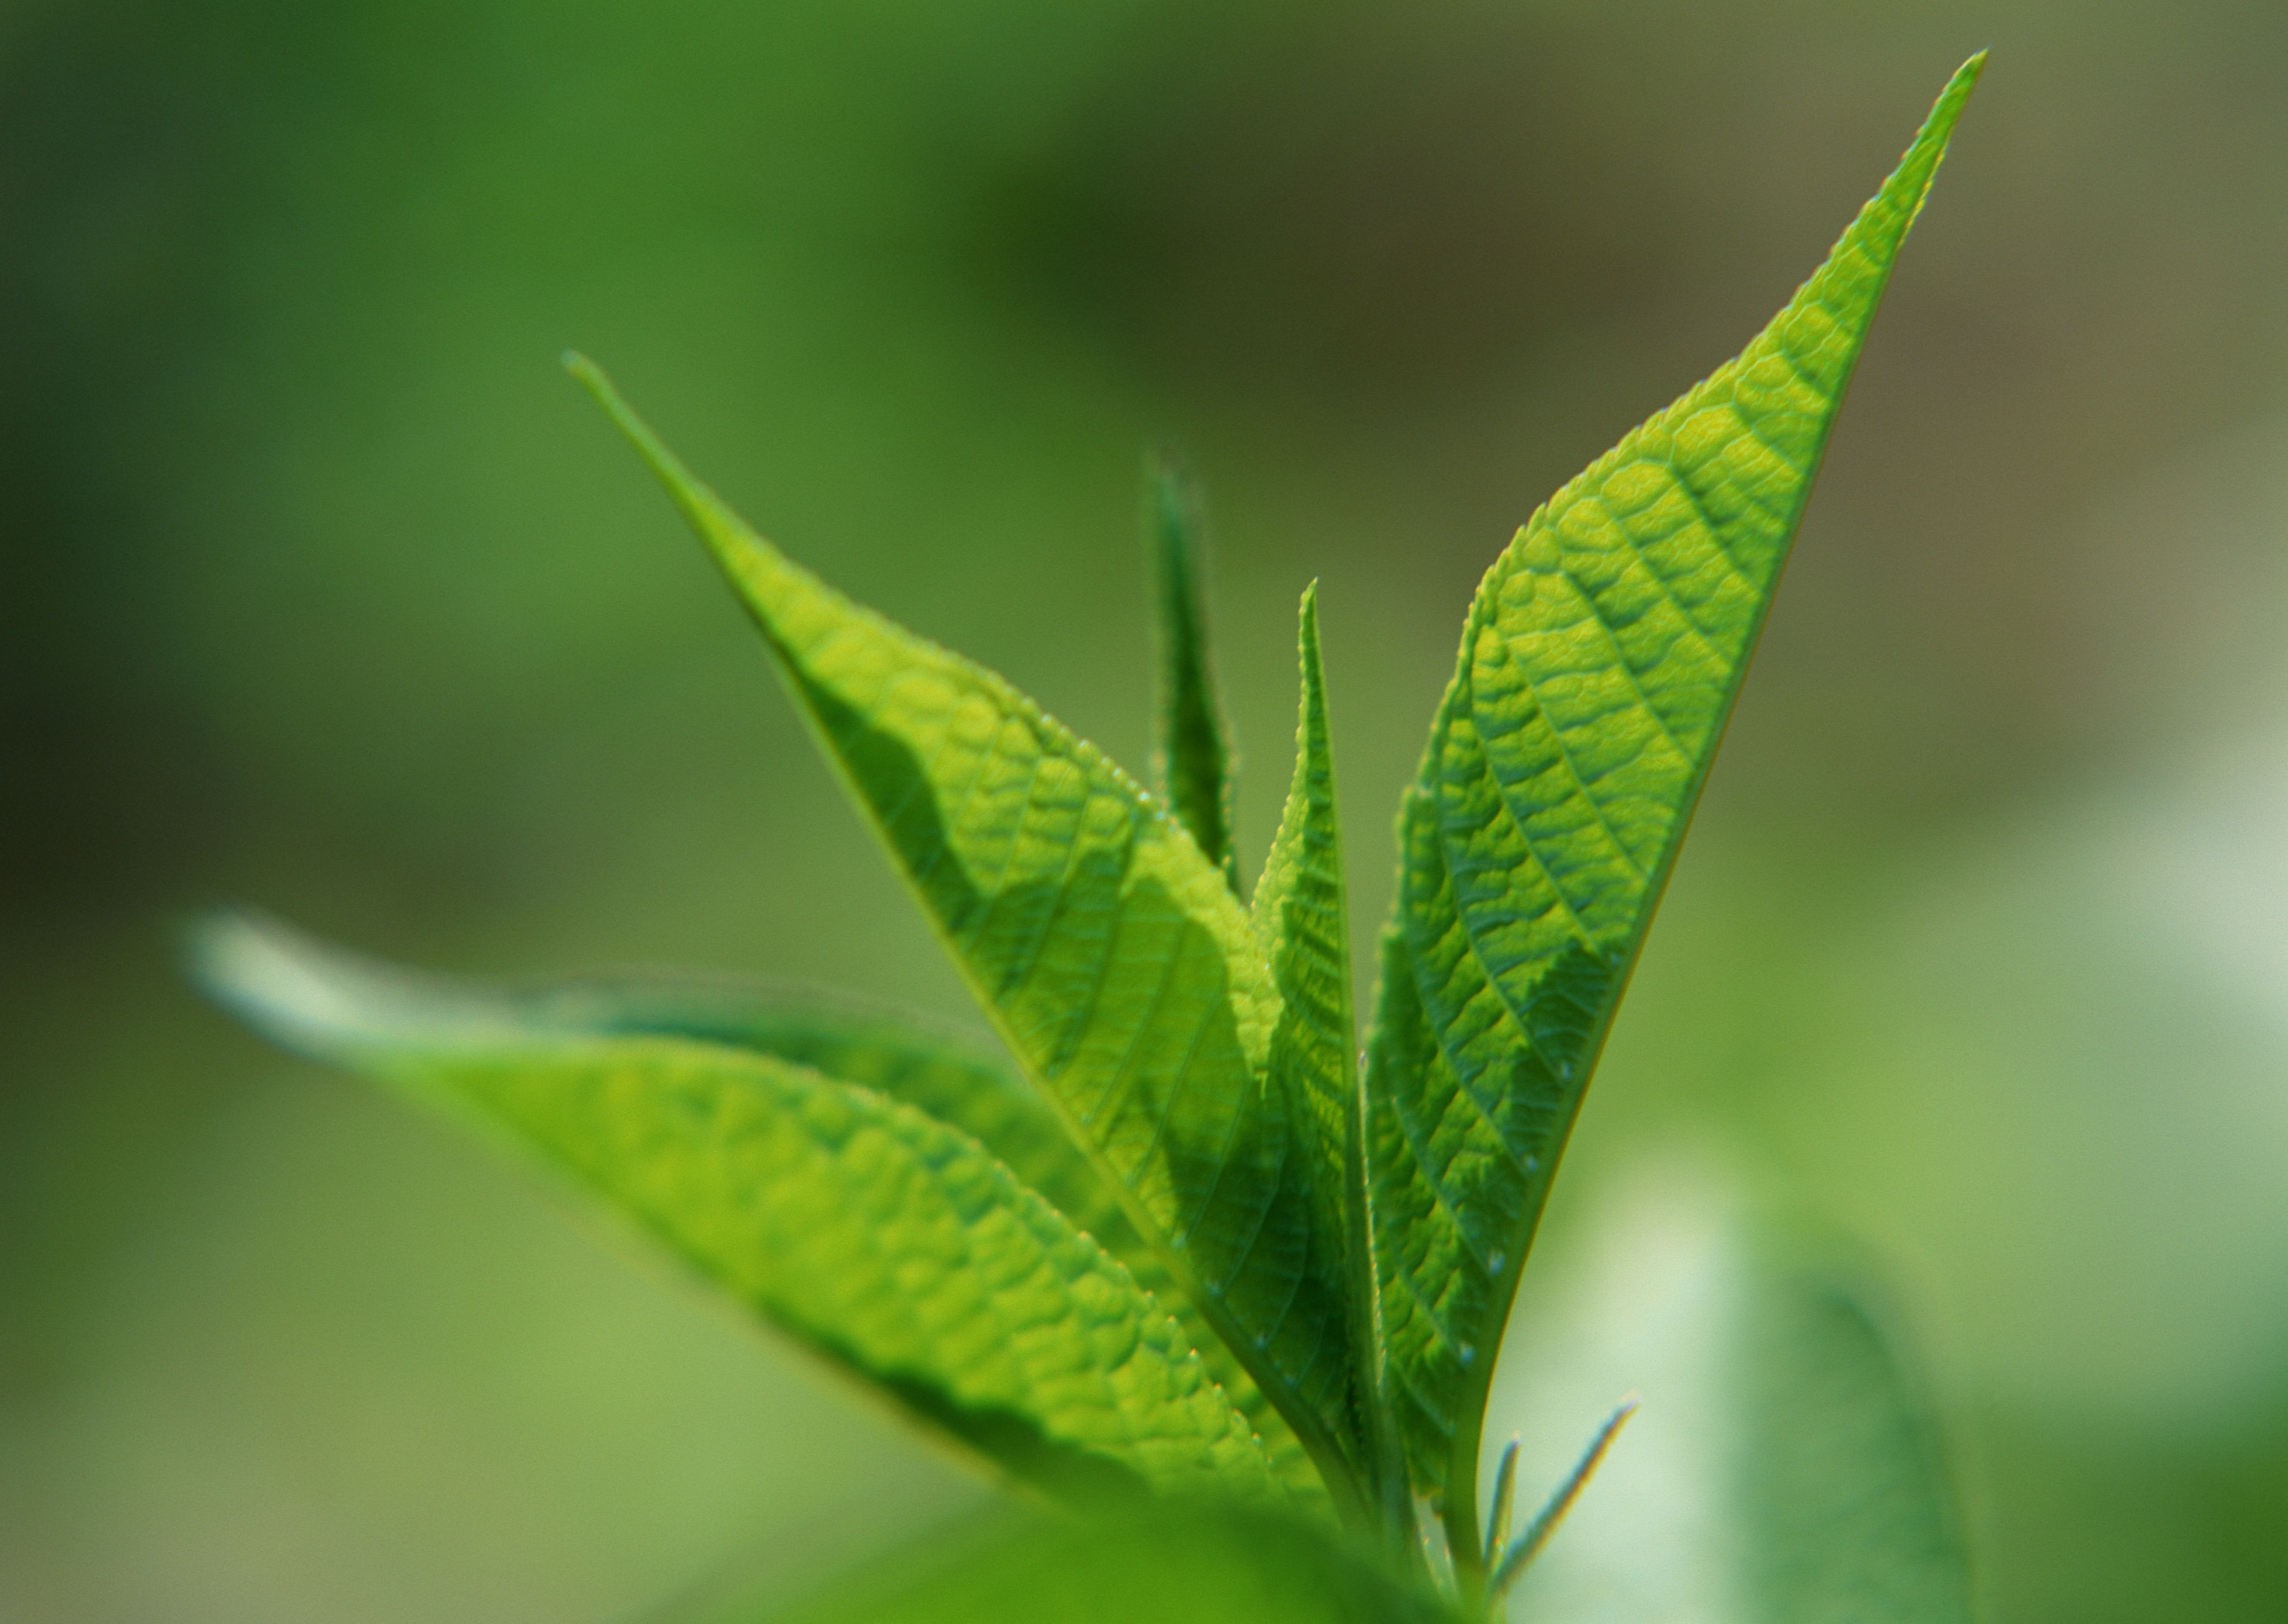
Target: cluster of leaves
[(1198, 1243)]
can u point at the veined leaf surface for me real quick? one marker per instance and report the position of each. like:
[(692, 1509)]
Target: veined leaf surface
[(1598, 666), (1193, 762), (1112, 957), (1302, 918), (905, 1058), (893, 1245)]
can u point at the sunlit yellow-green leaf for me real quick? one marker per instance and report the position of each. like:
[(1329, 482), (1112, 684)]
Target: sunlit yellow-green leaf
[(938, 1069), (1112, 957), (893, 1245)]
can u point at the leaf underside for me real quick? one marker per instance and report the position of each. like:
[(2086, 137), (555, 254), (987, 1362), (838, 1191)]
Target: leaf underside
[(1598, 666), (938, 1070), (948, 1076), (1112, 957), (894, 1246)]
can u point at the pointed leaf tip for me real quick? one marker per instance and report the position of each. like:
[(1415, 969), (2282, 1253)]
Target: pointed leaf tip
[(1192, 756), (1596, 672)]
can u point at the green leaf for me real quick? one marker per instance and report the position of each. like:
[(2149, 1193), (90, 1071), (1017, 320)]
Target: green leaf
[(1784, 1468), (1193, 758), (1113, 958), (904, 1057), (1302, 919), (1597, 668), (1205, 1566), (893, 1245), (1841, 1482)]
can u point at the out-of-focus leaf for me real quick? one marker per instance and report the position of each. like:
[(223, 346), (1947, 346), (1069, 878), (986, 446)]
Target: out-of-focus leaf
[(895, 1246), (1784, 1468), (1204, 1565), (936, 1068), (1193, 762), (1112, 957), (1598, 665)]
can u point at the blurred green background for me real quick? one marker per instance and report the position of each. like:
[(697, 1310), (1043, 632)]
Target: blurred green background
[(324, 590)]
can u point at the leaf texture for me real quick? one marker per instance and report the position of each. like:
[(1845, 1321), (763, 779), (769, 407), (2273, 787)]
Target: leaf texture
[(1193, 762), (903, 1057), (897, 1248), (1598, 666), (1112, 957), (1302, 919)]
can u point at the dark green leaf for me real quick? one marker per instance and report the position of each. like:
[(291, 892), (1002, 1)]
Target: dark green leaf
[(1598, 665), (1193, 758)]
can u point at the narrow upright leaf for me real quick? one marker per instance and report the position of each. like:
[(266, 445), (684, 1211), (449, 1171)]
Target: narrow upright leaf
[(1303, 921), (894, 1247), (1192, 741), (1597, 668), (1113, 958)]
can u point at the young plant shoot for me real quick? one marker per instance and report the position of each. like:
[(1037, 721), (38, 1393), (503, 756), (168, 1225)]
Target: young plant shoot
[(1206, 1241)]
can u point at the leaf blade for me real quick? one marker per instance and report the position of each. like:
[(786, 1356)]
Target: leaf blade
[(1598, 665), (1301, 915), (1193, 758), (936, 1069), (1111, 956), (1300, 918), (893, 1246)]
